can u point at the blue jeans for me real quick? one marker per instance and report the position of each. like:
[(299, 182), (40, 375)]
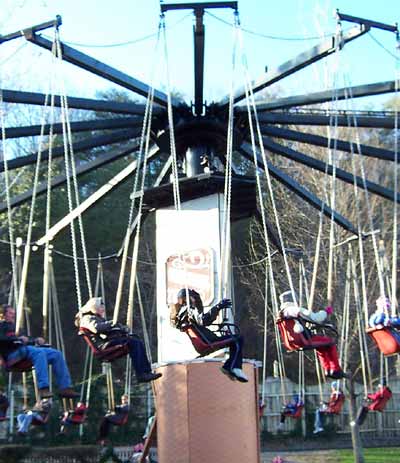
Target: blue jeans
[(41, 357), (25, 420), (318, 419)]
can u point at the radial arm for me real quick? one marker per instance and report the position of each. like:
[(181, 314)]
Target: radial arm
[(298, 189)]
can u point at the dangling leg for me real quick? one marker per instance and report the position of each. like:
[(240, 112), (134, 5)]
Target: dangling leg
[(140, 362)]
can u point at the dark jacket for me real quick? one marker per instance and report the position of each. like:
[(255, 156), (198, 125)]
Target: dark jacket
[(8, 341), (192, 316)]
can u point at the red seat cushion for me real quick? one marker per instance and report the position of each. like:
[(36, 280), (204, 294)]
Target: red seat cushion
[(297, 341), (385, 340), (202, 346), (297, 414), (335, 406), (105, 355)]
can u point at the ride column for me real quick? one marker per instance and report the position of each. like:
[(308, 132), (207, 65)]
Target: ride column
[(202, 415)]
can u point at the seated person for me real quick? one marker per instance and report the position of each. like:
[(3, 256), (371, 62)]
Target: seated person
[(106, 334), (19, 347), (75, 416), (381, 317), (194, 314), (4, 404), (290, 409), (327, 355), (117, 417), (39, 414), (332, 407), (374, 402)]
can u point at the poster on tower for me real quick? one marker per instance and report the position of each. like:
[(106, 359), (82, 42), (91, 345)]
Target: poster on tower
[(188, 255)]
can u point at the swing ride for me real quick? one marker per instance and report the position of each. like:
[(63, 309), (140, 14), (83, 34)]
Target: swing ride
[(197, 193)]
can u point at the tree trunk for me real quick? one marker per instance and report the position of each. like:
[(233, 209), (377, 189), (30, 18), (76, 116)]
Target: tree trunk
[(358, 450)]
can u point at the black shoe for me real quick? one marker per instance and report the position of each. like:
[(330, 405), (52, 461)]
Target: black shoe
[(228, 373), (147, 377), (338, 374)]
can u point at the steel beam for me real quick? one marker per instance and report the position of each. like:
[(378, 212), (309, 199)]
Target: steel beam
[(121, 177), (366, 22), (316, 164), (303, 60), (358, 91), (85, 168), (318, 140), (199, 5), (14, 96), (86, 144), (30, 30), (298, 189), (318, 119), (79, 126), (198, 37), (98, 68)]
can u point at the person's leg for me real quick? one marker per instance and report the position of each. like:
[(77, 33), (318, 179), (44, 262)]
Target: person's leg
[(20, 421), (333, 357), (362, 414), (26, 422), (235, 351), (61, 373), (104, 428), (137, 352), (38, 358)]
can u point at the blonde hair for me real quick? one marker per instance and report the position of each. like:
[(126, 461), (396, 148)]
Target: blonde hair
[(91, 305)]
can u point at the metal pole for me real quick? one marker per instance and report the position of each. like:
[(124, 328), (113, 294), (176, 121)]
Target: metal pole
[(358, 450)]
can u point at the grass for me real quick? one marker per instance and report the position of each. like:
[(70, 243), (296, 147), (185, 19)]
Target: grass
[(379, 455)]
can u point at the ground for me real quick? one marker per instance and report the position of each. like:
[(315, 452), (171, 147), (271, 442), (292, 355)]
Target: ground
[(379, 455)]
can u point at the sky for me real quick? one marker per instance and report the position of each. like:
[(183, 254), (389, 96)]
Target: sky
[(95, 23)]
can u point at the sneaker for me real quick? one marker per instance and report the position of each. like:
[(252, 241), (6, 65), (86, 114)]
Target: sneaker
[(68, 393), (240, 376), (280, 427), (228, 373), (45, 393), (147, 377), (316, 431)]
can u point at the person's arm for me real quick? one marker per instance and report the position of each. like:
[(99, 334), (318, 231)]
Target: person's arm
[(95, 324), (212, 314), (4, 333)]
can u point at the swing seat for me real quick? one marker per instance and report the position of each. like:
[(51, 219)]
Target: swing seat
[(379, 404), (108, 354), (297, 414), (17, 365), (37, 422), (337, 406), (385, 340), (74, 418), (121, 421), (300, 341), (205, 347)]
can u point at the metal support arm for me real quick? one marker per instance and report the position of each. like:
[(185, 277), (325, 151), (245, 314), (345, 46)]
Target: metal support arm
[(321, 166), (94, 66), (318, 140), (31, 30), (298, 189), (303, 60)]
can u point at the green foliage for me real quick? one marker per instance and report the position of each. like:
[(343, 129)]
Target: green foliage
[(376, 455)]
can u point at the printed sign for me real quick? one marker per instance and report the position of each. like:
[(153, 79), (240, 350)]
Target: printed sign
[(193, 269)]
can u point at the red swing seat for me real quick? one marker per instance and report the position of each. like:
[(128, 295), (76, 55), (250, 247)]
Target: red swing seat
[(18, 365), (385, 340), (37, 422), (75, 418), (301, 341), (205, 347), (122, 421), (336, 408), (108, 354), (297, 414), (379, 404)]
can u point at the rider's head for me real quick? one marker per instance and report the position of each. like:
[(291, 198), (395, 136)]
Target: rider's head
[(194, 298)]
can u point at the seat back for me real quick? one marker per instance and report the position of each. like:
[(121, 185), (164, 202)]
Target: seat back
[(291, 340), (105, 355), (122, 419), (385, 339), (202, 345), (379, 404), (335, 407)]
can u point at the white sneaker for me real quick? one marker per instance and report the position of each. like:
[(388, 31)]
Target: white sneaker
[(228, 373), (240, 376), (316, 431)]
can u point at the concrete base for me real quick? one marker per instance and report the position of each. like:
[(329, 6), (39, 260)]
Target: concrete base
[(203, 416)]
